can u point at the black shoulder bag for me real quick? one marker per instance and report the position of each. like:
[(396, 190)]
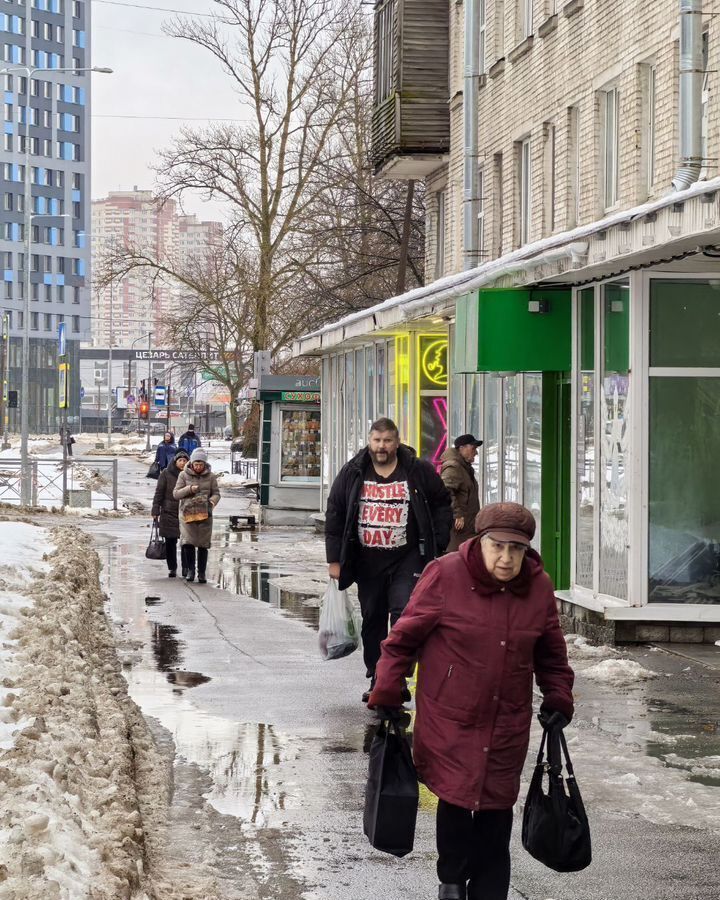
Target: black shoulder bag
[(555, 828), (156, 549)]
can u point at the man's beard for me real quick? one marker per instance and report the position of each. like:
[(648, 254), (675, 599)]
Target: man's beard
[(383, 457)]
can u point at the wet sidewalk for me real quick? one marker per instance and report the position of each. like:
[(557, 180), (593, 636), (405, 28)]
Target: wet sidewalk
[(270, 742)]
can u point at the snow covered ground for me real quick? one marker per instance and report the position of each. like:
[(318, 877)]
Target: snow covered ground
[(82, 788)]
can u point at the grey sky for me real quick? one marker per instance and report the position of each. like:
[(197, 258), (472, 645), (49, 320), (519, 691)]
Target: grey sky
[(154, 76)]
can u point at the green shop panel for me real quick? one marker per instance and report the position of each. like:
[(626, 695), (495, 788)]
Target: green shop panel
[(514, 330)]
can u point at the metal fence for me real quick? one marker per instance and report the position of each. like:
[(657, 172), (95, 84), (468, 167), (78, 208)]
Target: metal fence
[(91, 482), (248, 468)]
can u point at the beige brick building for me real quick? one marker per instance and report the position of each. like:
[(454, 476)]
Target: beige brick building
[(573, 264)]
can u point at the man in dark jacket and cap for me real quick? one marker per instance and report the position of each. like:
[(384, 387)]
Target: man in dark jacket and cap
[(388, 515), (458, 477)]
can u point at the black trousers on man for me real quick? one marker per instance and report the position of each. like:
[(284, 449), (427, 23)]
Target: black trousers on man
[(384, 595), (475, 846)]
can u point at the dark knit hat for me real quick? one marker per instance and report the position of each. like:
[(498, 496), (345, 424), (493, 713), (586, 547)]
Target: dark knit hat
[(506, 522)]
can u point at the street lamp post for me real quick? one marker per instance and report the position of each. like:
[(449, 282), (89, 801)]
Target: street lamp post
[(25, 485), (110, 362)]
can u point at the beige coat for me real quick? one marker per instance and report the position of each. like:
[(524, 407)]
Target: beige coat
[(459, 478), (199, 534)]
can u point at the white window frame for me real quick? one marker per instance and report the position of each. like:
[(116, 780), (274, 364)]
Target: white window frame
[(482, 49), (384, 81), (481, 216), (649, 125), (550, 186), (526, 19), (440, 232), (611, 146), (524, 190)]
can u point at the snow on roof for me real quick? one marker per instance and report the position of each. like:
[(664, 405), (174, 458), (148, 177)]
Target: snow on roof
[(452, 286)]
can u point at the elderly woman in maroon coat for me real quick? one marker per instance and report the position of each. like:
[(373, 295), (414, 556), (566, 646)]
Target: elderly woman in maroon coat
[(481, 622)]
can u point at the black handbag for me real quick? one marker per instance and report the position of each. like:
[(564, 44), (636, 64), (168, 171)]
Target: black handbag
[(157, 548), (154, 470), (555, 827), (392, 794)]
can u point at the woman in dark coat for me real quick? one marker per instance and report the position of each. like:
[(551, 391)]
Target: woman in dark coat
[(166, 450), (481, 622), (165, 510)]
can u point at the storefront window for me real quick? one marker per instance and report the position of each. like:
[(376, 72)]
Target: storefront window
[(492, 437), (402, 363), (370, 399), (585, 473), (300, 448), (533, 449), (473, 423), (511, 433), (360, 375), (350, 411), (327, 389), (613, 564), (391, 412), (684, 434), (457, 406), (382, 407)]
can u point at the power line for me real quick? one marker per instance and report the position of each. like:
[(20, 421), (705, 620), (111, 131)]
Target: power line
[(160, 9)]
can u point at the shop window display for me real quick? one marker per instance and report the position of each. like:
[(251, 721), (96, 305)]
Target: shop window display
[(300, 458)]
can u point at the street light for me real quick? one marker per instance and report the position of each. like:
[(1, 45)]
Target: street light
[(25, 487)]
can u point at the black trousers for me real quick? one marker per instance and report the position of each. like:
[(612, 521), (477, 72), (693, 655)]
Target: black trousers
[(475, 847), (171, 557), (381, 596), (189, 559)]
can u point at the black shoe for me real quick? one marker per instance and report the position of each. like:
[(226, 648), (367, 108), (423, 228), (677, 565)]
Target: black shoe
[(184, 572), (366, 695), (172, 573), (201, 578), (452, 892), (190, 575)]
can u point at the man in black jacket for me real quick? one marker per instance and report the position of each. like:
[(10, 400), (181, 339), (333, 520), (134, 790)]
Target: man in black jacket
[(388, 515)]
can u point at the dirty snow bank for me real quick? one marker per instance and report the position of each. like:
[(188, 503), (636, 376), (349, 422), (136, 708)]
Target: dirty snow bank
[(618, 672), (83, 790)]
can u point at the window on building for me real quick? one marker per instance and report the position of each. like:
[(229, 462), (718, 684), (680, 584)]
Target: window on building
[(34, 263), (8, 202), (8, 143), (481, 217), (48, 264), (649, 112), (525, 10), (61, 294), (76, 9), (34, 321), (483, 36), (48, 322), (498, 210), (48, 293), (20, 318), (384, 41), (35, 291), (76, 324), (8, 290), (499, 29), (611, 146), (550, 179), (77, 181), (76, 294), (440, 234), (35, 28), (8, 82), (523, 190)]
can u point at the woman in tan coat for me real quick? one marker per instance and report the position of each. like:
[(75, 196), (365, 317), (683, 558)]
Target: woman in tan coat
[(198, 492)]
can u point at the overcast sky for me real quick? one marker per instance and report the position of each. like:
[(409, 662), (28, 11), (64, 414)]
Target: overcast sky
[(158, 82)]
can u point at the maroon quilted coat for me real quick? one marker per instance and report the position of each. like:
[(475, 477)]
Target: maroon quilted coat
[(478, 642)]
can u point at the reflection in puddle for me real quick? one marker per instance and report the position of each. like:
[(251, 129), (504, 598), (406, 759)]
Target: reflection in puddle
[(152, 601), (166, 647), (187, 679)]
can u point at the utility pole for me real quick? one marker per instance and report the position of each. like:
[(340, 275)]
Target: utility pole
[(110, 362), (4, 353), (149, 388)]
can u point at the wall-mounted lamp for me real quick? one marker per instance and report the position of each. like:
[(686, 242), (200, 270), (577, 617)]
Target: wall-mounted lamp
[(539, 307)]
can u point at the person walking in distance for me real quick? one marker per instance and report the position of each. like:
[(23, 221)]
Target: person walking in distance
[(189, 440), (458, 477), (166, 450), (482, 622), (165, 511), (388, 515), (198, 492)]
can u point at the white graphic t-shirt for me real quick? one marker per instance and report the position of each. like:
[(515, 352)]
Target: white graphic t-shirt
[(384, 512)]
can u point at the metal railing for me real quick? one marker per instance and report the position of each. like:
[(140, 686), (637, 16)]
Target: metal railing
[(91, 482), (248, 468)]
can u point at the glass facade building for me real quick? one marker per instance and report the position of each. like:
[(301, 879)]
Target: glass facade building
[(46, 127)]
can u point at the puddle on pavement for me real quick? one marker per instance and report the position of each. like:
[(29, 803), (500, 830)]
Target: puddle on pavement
[(166, 647), (152, 601), (187, 679)]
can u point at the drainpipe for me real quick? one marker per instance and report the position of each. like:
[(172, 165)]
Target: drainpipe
[(471, 96), (691, 82)]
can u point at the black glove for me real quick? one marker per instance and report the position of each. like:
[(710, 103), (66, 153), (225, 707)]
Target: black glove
[(552, 721)]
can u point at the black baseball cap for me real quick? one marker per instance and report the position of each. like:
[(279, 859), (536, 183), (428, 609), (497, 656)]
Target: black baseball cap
[(466, 439)]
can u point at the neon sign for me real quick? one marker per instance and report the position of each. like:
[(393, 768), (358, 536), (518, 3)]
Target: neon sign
[(434, 362)]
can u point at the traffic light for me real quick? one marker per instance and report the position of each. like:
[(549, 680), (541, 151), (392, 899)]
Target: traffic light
[(144, 409)]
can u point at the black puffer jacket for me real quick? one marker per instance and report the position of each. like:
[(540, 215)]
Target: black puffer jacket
[(429, 500), (164, 505)]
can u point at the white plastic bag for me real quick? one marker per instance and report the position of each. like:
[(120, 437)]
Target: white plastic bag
[(339, 624)]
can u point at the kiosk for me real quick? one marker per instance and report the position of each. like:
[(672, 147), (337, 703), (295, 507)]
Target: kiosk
[(290, 449)]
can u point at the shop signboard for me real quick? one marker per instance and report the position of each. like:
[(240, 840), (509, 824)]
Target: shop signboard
[(300, 396), (64, 377)]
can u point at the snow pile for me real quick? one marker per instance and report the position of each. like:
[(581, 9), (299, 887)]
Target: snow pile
[(82, 789), (618, 672), (226, 479), (579, 648)]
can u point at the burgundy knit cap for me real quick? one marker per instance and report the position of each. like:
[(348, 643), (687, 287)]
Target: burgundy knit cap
[(506, 522)]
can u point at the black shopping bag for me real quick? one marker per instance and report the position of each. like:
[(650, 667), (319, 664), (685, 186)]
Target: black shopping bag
[(555, 827), (154, 470), (156, 549), (391, 796)]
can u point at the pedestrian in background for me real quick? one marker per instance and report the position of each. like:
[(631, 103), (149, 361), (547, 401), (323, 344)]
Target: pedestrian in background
[(189, 440), (166, 513), (67, 439), (198, 492), (166, 450), (388, 515), (458, 476), (482, 621)]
